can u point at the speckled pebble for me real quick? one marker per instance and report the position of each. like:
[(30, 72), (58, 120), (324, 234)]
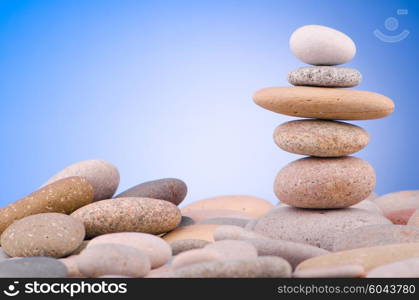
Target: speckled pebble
[(325, 76), (180, 246), (231, 232), (225, 221), (233, 249), (35, 267), (398, 207), (345, 271), (195, 256)]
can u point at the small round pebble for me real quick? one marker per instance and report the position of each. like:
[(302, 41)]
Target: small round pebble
[(231, 232), (325, 76), (180, 246), (195, 256), (36, 267), (398, 207), (406, 268), (226, 221), (345, 271), (233, 249)]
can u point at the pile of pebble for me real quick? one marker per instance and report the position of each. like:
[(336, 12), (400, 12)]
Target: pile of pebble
[(331, 226)]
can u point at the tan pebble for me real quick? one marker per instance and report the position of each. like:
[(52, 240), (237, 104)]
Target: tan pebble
[(345, 271), (203, 214), (398, 207), (195, 256), (200, 232), (179, 246), (233, 249), (230, 232)]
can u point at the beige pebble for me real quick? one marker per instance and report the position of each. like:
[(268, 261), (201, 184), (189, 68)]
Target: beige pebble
[(345, 271), (233, 249), (71, 264), (231, 232), (180, 246), (199, 215), (406, 268), (200, 232), (398, 207)]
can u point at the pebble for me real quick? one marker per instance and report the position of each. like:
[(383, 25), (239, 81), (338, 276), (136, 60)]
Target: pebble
[(195, 256), (231, 232), (318, 228), (368, 205), (186, 221), (3, 255), (320, 138), (161, 272), (63, 196), (233, 249), (376, 235), (128, 215), (72, 268), (369, 258), (321, 45), (180, 246), (169, 189), (158, 251), (324, 103), (414, 219), (398, 207), (32, 267), (225, 221), (48, 234), (406, 268), (345, 271), (325, 76), (103, 176), (198, 215), (254, 206), (108, 259), (313, 182), (292, 252), (80, 248), (266, 266), (199, 232)]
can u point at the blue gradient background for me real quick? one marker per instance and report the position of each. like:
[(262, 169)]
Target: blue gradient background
[(163, 89)]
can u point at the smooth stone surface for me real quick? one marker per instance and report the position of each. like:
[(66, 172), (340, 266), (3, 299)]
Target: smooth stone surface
[(225, 221), (158, 251), (80, 248), (233, 249), (3, 255), (198, 215), (325, 76), (231, 232), (369, 258), (321, 45), (406, 268), (267, 266), (324, 103), (170, 189), (318, 228), (292, 252), (414, 219), (102, 175), (72, 268), (186, 221), (368, 205), (252, 205), (376, 235), (180, 246), (36, 267), (313, 182), (63, 196), (320, 138), (199, 232), (164, 271), (49, 234), (128, 215), (195, 256), (346, 271), (398, 207)]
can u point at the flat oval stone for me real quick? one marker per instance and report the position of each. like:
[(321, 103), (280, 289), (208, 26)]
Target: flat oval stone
[(128, 214), (63, 196), (406, 268), (369, 258), (200, 232), (180, 246), (252, 205), (376, 235), (320, 138), (266, 266), (313, 182), (324, 103), (35, 267), (195, 256), (318, 228), (231, 232), (108, 259), (225, 221), (49, 234), (102, 175), (158, 251), (325, 76), (198, 215), (170, 189), (233, 249), (347, 271), (321, 45), (398, 207)]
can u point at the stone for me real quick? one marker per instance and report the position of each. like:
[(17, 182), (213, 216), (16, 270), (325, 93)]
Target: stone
[(72, 268), (128, 214), (225, 221), (313, 182), (369, 258), (324, 103), (264, 267), (325, 76), (199, 232), (233, 249), (102, 175), (292, 252), (414, 219), (398, 207), (376, 235), (186, 221), (195, 256), (372, 196), (164, 271), (180, 246), (169, 189), (318, 228), (254, 206), (80, 248), (198, 215), (108, 259), (63, 196), (3, 255), (406, 268), (320, 138), (158, 251), (368, 205), (321, 45), (230, 232), (345, 271), (32, 267), (48, 234)]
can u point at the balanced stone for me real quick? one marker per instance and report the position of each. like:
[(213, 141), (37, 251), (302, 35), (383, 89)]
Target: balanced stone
[(321, 45), (48, 234), (320, 138), (325, 182), (398, 207), (128, 214), (33, 267), (180, 246), (324, 103), (325, 76), (103, 176), (63, 196)]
